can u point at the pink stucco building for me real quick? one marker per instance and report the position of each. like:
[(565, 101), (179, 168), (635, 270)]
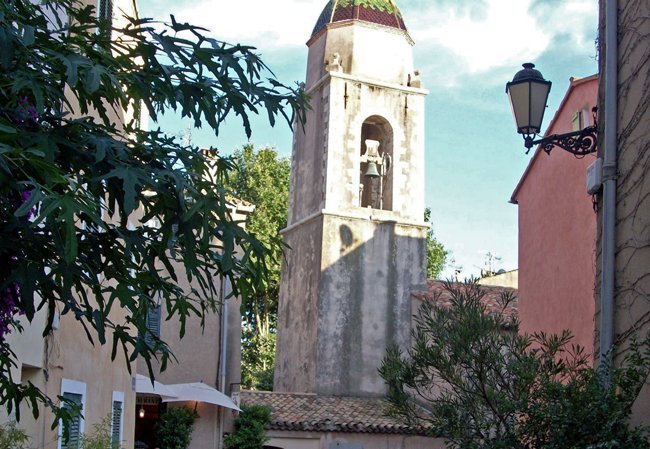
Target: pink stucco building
[(557, 229)]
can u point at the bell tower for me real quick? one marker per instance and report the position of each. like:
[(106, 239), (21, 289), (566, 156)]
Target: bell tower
[(355, 230)]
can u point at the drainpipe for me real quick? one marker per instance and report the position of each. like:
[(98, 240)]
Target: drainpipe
[(221, 384), (609, 184)]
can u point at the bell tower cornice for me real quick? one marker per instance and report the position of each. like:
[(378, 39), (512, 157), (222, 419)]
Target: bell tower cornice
[(368, 81)]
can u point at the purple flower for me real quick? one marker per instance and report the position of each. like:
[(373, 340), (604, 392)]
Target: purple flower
[(8, 309), (25, 197), (26, 112)]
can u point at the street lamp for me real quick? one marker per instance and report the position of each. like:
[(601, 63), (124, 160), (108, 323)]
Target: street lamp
[(528, 93)]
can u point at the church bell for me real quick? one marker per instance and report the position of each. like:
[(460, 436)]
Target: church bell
[(371, 171)]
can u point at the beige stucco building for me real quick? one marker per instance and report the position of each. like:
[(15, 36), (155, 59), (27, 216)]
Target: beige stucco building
[(209, 354), (65, 363)]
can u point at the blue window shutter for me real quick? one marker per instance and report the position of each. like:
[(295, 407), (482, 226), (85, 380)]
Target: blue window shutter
[(73, 427), (105, 10), (105, 15), (116, 425), (153, 323)]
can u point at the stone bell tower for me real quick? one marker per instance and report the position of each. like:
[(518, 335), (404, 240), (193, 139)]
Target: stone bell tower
[(355, 225)]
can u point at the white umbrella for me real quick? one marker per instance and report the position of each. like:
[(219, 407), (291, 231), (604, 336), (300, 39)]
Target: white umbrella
[(200, 392), (143, 385)]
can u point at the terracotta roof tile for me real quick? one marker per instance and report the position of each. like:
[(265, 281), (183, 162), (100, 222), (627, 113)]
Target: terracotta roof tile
[(382, 12), (437, 292), (315, 413)]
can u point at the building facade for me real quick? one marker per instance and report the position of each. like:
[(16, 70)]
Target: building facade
[(555, 212), (64, 363), (625, 100)]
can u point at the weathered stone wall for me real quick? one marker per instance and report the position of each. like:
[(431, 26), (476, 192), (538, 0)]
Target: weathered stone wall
[(346, 281), (295, 360), (369, 268), (403, 108), (308, 157), (345, 296), (632, 289)]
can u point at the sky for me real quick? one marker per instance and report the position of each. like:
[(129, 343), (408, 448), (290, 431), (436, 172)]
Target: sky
[(466, 51)]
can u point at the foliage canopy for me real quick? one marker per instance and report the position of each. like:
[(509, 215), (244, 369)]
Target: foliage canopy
[(436, 252), (262, 178), (98, 215), (249, 428), (473, 380)]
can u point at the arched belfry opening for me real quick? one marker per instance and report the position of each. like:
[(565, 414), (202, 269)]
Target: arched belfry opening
[(376, 167)]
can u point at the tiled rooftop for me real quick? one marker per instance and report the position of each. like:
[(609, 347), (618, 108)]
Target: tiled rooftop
[(313, 413), (382, 12), (491, 299)]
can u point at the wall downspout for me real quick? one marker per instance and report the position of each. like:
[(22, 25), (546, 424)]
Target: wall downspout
[(221, 382), (607, 286)]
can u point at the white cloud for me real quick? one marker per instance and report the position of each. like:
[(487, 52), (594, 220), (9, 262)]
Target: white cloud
[(505, 34), (454, 39), (270, 25)]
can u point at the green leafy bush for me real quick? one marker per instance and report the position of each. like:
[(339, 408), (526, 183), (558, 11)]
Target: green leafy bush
[(100, 437), (174, 429), (13, 437), (249, 428), (472, 379)]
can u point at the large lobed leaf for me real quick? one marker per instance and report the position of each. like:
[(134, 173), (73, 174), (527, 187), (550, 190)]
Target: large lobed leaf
[(81, 184)]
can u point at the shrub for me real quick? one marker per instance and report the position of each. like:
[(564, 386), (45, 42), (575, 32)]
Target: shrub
[(13, 437), (249, 428), (100, 437), (174, 429), (471, 379)]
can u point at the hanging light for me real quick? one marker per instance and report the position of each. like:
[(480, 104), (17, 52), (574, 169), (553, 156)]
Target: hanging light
[(528, 93), (141, 412)]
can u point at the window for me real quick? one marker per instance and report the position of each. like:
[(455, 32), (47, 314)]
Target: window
[(580, 119), (105, 15), (74, 392), (105, 10), (153, 321), (116, 420), (376, 178)]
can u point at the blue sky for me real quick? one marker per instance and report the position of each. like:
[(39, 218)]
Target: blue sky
[(467, 50)]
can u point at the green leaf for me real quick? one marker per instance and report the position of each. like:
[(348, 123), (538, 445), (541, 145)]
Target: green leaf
[(28, 35), (34, 197), (71, 244), (8, 129), (92, 79)]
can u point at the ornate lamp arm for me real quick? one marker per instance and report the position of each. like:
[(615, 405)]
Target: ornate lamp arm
[(578, 143)]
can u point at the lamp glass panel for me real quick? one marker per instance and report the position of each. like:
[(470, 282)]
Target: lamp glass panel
[(519, 103), (539, 95)]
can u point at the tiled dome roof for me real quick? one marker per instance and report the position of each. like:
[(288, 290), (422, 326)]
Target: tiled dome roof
[(382, 12)]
